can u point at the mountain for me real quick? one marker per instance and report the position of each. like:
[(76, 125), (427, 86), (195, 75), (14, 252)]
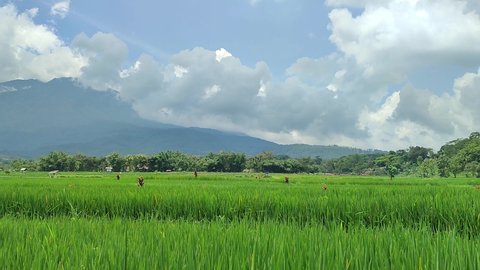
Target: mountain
[(37, 117)]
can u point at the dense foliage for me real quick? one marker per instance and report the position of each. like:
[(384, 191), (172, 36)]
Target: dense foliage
[(455, 157)]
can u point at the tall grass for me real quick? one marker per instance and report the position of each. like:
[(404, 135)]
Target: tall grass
[(65, 243), (237, 221), (356, 202)]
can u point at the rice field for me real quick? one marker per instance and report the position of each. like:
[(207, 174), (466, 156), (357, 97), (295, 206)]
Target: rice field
[(237, 221)]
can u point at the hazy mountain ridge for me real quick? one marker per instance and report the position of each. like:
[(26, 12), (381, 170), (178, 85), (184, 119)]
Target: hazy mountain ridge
[(36, 118), (296, 150)]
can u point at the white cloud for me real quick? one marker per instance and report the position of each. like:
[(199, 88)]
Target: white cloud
[(32, 12), (383, 45), (180, 71), (427, 109), (262, 91), (125, 73), (421, 117), (141, 85), (211, 91), (60, 9), (394, 37), (381, 115), (31, 51), (106, 54), (222, 54), (332, 87), (467, 92), (6, 89), (214, 94)]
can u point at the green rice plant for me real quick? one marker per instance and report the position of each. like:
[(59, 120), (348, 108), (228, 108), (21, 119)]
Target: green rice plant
[(236, 221), (350, 202), (66, 243)]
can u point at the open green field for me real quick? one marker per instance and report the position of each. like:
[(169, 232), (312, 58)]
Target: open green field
[(237, 221)]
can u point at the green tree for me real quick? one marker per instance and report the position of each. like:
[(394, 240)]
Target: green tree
[(427, 168), (173, 161), (443, 163), (138, 162), (53, 161), (256, 163), (30, 165), (232, 162), (116, 162), (456, 165), (211, 163), (391, 164), (418, 153), (472, 169)]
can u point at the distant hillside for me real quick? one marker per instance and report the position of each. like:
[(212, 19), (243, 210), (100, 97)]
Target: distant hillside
[(327, 152), (37, 118), (5, 157)]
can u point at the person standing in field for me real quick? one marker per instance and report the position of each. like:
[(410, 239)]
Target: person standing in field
[(286, 179), (118, 176), (195, 174), (140, 181)]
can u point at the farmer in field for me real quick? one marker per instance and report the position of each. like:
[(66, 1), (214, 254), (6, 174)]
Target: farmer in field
[(195, 174), (140, 181), (118, 176), (286, 179)]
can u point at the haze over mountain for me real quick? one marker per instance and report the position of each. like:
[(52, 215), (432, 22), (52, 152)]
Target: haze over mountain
[(38, 117)]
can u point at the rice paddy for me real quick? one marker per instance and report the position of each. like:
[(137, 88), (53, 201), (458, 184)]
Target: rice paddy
[(237, 221)]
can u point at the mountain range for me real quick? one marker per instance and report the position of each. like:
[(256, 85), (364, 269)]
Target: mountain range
[(61, 115)]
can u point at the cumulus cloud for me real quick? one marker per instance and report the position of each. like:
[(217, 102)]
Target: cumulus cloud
[(388, 41), (425, 108), (229, 95), (32, 51), (393, 37), (106, 54), (422, 117), (60, 9), (322, 99), (180, 71), (209, 93), (221, 54), (144, 80)]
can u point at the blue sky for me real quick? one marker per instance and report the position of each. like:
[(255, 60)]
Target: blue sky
[(366, 73)]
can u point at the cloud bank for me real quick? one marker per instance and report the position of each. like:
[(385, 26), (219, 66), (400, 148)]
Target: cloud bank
[(359, 95)]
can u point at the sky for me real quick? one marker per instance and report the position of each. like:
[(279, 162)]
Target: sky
[(384, 74)]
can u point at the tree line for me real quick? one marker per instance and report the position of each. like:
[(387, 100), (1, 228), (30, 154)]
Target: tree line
[(461, 156)]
